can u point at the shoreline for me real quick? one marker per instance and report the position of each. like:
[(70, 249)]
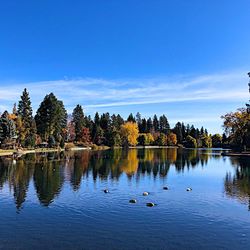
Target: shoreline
[(247, 154), (48, 150), (40, 150)]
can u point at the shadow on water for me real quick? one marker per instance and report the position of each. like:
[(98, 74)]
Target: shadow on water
[(49, 171)]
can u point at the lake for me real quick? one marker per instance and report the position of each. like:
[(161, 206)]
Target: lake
[(56, 200)]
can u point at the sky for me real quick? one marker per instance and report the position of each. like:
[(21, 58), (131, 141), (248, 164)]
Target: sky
[(185, 59)]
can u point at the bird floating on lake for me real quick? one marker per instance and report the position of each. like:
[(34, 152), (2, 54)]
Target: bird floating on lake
[(145, 193), (165, 188), (106, 191), (189, 189)]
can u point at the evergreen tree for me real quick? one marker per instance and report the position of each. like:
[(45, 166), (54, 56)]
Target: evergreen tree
[(193, 132), (164, 125), (149, 125), (24, 111), (155, 123), (79, 121), (131, 118), (144, 128), (116, 121), (7, 128), (187, 130), (51, 118), (183, 129), (178, 131), (138, 118), (14, 110), (139, 121), (202, 131), (97, 119)]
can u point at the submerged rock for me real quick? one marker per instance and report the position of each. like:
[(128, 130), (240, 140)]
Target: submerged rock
[(133, 201), (106, 191), (189, 189), (145, 193), (150, 204), (165, 188)]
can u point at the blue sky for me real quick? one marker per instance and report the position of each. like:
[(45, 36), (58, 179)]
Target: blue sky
[(186, 59)]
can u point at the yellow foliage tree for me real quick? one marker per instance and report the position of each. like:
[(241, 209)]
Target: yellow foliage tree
[(172, 139), (130, 133)]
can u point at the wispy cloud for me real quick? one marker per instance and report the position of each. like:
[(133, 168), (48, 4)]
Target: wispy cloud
[(94, 93)]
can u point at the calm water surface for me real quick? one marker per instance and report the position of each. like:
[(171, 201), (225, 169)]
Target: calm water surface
[(56, 201)]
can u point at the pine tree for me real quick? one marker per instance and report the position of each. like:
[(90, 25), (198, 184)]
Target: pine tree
[(183, 129), (7, 128), (131, 118), (155, 123), (164, 126), (144, 128), (178, 131), (79, 122), (51, 118), (24, 111), (149, 125), (97, 119)]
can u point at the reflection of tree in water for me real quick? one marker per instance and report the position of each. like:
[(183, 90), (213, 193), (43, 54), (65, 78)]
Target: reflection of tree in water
[(22, 174), (5, 165), (50, 170), (190, 159), (238, 185), (77, 166), (18, 175), (155, 161), (129, 164), (48, 179)]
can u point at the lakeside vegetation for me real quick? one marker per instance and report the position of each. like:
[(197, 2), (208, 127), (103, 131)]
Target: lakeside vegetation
[(52, 127)]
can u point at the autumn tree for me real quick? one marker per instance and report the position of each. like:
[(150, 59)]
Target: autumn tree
[(172, 139), (129, 132), (85, 136), (145, 139), (206, 141), (161, 140), (237, 127)]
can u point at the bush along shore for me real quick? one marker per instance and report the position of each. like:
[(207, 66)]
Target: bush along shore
[(51, 128)]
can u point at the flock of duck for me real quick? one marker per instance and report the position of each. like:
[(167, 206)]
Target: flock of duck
[(149, 204)]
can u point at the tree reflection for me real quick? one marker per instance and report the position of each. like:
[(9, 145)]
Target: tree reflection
[(48, 179), (51, 170), (238, 185)]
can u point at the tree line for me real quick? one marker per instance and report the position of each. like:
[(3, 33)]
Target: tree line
[(53, 127)]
